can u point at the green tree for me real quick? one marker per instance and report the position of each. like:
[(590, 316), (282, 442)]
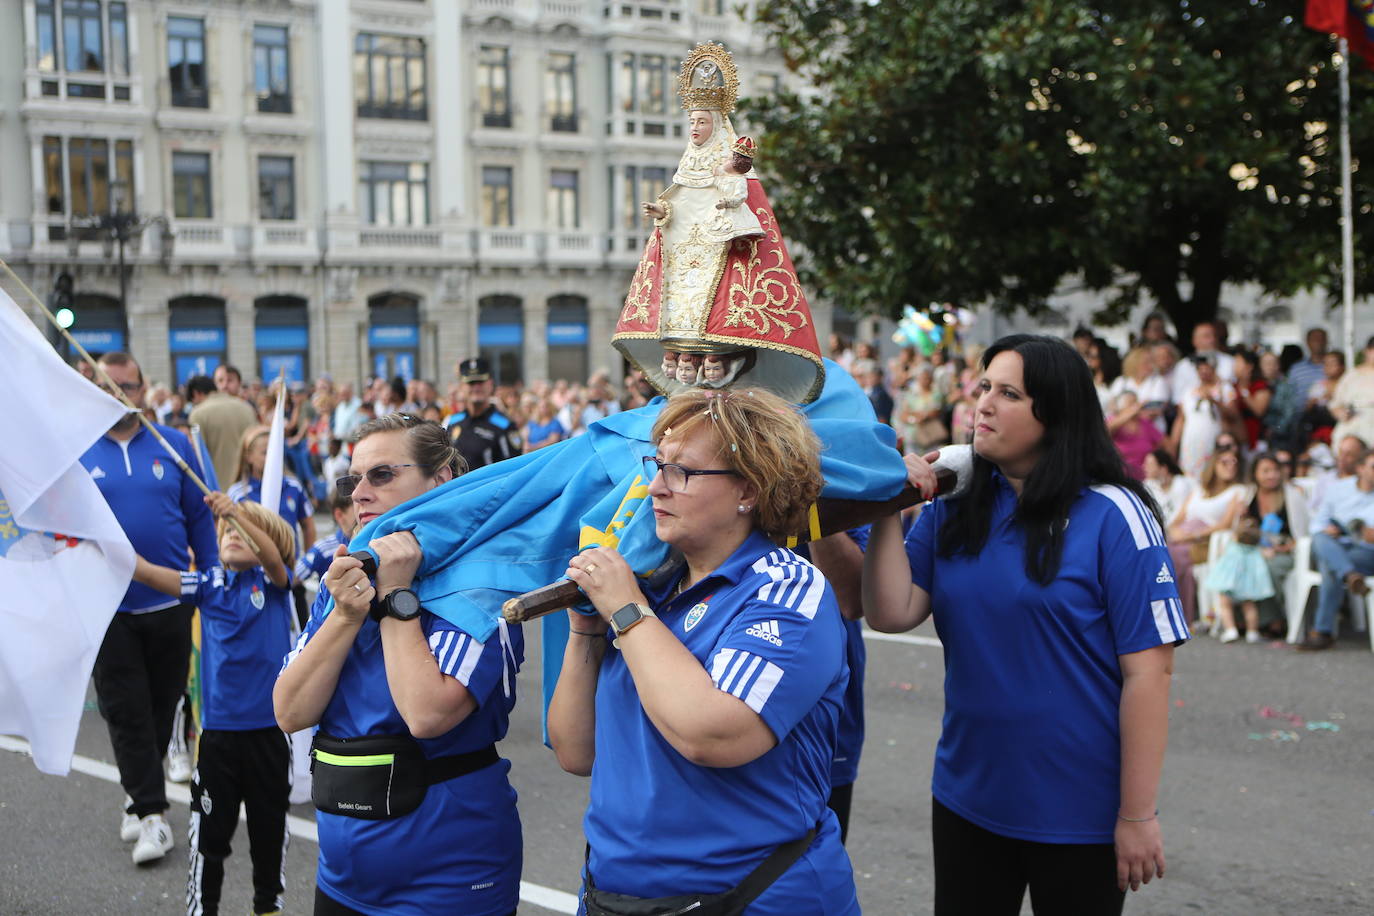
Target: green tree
[(987, 151)]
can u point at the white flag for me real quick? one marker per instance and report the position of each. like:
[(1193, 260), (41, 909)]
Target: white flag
[(276, 451), (65, 563)]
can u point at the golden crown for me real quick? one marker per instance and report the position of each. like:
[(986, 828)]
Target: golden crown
[(708, 80)]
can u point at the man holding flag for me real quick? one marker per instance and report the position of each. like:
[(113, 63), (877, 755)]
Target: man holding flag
[(140, 672)]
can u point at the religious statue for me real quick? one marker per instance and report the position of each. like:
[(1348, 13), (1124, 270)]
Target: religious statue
[(715, 300)]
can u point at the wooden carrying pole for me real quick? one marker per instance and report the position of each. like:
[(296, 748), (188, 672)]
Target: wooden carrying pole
[(119, 393)]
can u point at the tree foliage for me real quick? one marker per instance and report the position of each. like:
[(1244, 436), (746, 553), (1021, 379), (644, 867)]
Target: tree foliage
[(975, 151)]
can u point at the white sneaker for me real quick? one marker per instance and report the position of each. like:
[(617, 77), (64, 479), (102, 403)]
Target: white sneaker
[(154, 839), (179, 766), (128, 827), (1253, 636), (1230, 634)]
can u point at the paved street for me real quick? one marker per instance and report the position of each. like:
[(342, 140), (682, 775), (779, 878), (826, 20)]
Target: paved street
[(1262, 815)]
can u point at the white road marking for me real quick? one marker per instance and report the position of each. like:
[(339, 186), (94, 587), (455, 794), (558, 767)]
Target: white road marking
[(902, 637), (534, 894)]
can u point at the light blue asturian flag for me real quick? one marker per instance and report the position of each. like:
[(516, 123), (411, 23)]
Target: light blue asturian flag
[(511, 527)]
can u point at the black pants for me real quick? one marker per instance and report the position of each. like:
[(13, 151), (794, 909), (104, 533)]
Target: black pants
[(326, 905), (981, 873), (839, 802), (140, 675), (252, 767)]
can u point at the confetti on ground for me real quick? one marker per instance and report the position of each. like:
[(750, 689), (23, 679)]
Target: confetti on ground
[(1323, 727), (1275, 735), (1292, 718), (1178, 703)]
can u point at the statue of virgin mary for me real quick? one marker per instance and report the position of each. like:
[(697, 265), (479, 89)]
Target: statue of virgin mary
[(715, 286)]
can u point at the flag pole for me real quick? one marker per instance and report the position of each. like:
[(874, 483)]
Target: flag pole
[(119, 393), (1347, 209)]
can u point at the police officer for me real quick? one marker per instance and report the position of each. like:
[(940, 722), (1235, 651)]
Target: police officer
[(482, 433)]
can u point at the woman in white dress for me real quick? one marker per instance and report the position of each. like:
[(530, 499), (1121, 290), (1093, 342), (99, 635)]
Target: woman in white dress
[(1210, 508)]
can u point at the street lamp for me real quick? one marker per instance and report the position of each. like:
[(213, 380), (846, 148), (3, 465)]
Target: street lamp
[(114, 230)]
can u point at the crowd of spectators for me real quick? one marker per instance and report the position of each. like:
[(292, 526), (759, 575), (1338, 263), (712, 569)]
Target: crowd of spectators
[(1225, 437)]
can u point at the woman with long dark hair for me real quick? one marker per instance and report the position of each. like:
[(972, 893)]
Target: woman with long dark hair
[(1053, 595)]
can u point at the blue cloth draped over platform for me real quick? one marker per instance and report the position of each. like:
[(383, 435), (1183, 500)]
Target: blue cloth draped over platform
[(511, 527)]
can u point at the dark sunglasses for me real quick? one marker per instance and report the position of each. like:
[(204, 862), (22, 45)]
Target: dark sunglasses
[(379, 476)]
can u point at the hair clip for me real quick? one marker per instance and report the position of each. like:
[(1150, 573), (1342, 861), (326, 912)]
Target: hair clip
[(734, 447)]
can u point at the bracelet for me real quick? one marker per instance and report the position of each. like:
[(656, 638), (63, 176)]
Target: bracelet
[(1137, 820), (584, 632)]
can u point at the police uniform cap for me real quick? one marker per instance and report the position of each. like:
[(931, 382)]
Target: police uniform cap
[(474, 369)]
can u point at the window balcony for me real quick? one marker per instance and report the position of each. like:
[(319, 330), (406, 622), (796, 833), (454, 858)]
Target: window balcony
[(574, 247), (505, 245), (284, 241), (420, 238)]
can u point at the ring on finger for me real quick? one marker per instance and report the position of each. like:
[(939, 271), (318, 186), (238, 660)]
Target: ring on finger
[(358, 587), (589, 568)]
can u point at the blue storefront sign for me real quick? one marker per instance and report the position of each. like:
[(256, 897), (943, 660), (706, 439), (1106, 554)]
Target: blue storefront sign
[(272, 364), (281, 338), (196, 340), (567, 334), (389, 336), (100, 340), (500, 335), (188, 366)]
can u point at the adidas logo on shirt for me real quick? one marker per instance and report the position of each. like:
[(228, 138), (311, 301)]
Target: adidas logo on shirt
[(767, 631), (1163, 575)]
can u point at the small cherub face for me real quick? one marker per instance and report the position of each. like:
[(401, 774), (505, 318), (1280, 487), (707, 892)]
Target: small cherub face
[(713, 368), (669, 364), (687, 366)]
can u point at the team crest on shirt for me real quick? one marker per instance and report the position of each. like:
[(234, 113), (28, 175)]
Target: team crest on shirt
[(205, 803), (158, 470), (257, 598), (694, 617)]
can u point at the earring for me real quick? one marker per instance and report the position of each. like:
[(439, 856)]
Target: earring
[(743, 509)]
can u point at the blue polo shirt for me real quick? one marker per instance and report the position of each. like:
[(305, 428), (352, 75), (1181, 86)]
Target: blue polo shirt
[(460, 851), (294, 505), (766, 627), (158, 506), (245, 627), (316, 560), (1031, 745)]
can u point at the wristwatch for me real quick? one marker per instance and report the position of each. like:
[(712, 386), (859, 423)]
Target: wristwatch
[(402, 603), (631, 615)]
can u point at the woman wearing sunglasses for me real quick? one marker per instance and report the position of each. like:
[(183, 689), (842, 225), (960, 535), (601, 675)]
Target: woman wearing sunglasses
[(704, 702), (416, 813)]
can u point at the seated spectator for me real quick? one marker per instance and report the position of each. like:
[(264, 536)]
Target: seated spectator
[(1152, 389), (1280, 510), (1213, 506), (1343, 543), (1280, 421), (1252, 396), (1347, 458), (1317, 419), (1352, 400), (1133, 433), (1166, 482)]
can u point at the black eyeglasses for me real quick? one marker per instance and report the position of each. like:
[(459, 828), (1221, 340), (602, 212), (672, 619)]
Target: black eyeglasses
[(675, 476), (379, 476), (126, 387)]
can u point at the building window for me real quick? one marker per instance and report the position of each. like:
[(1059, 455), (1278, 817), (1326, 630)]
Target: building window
[(272, 68), (276, 187), (389, 77), (563, 198), (81, 37), (186, 62), (395, 193), (641, 185), (497, 204), (77, 174), (712, 7), (191, 185), (493, 86), (560, 92)]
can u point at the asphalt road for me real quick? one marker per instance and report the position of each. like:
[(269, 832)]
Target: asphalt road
[(1262, 814)]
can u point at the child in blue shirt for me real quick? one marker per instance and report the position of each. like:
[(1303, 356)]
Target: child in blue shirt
[(245, 609)]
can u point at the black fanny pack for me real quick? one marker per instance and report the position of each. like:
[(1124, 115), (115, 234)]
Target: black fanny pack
[(727, 903), (383, 776)]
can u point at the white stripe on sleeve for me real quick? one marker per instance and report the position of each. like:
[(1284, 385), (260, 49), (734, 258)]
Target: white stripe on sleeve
[(1145, 533), (1163, 624), (719, 663), (470, 658), (763, 687), (737, 688), (190, 581)]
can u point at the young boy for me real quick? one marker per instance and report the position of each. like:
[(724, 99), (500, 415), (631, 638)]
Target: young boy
[(245, 612), (316, 560)]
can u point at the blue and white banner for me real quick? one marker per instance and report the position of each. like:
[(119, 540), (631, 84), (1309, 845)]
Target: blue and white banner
[(65, 563)]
